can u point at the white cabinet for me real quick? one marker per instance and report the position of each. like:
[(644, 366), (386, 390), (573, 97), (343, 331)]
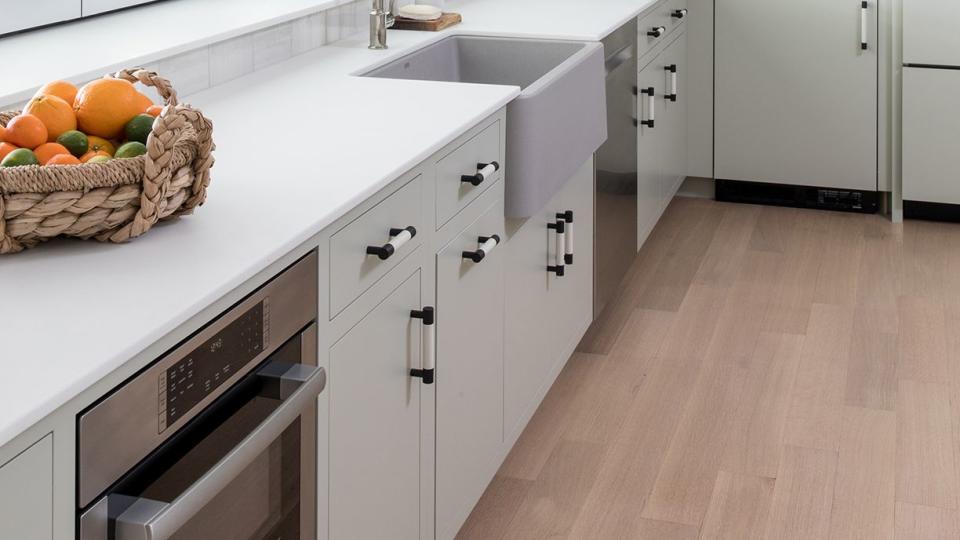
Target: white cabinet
[(930, 34), (546, 314), (18, 15), (26, 493), (375, 408), (469, 412), (931, 131), (796, 95)]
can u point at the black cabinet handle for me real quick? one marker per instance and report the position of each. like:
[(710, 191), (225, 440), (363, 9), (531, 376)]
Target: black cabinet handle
[(672, 70), (399, 237), (487, 244), (484, 171), (679, 13), (558, 267), (650, 122), (567, 217), (657, 31), (428, 319)]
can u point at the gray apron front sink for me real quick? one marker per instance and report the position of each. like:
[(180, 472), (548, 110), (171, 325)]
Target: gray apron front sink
[(558, 121)]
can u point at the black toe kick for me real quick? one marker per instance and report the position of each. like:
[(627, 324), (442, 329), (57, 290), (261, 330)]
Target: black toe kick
[(931, 211), (843, 200)]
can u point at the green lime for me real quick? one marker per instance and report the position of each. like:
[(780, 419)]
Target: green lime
[(131, 150), (99, 159), (74, 141), (139, 128), (20, 157)]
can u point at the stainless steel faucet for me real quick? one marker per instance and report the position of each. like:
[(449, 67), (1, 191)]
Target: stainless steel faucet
[(380, 20)]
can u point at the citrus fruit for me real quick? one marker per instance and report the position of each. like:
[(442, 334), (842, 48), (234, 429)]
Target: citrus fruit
[(154, 110), (138, 129), (130, 150), (143, 102), (26, 131), (62, 89), (6, 148), (97, 144), (19, 157), (54, 112), (63, 159), (99, 159), (74, 141), (104, 106), (46, 151), (3, 132), (93, 154)]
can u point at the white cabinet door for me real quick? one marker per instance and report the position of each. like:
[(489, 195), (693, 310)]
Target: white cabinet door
[(469, 369), (673, 65), (652, 142), (796, 96), (375, 422), (22, 14), (930, 34), (26, 493), (931, 131)]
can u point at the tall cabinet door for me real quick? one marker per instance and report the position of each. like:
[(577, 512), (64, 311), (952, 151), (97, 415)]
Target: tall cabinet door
[(375, 422), (469, 368), (651, 143), (673, 63), (796, 94)]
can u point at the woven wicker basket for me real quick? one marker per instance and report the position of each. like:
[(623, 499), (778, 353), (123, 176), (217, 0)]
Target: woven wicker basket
[(117, 200)]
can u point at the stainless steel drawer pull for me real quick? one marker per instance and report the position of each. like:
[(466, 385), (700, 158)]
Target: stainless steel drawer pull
[(679, 13), (672, 70), (558, 267), (864, 17), (567, 218), (428, 361), (484, 171), (657, 31), (399, 237), (650, 122), (487, 244)]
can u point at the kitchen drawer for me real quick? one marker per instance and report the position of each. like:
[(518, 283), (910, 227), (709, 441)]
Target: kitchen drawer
[(453, 193), (931, 129), (658, 17), (352, 269), (675, 12)]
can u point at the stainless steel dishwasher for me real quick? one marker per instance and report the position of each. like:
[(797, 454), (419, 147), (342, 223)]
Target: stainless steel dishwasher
[(216, 440), (616, 169)]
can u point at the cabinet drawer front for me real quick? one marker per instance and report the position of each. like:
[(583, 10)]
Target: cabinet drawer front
[(454, 194), (655, 18), (352, 269), (670, 11), (26, 489), (931, 128)]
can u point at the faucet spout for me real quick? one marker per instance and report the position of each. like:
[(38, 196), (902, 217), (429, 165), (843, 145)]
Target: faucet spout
[(380, 20)]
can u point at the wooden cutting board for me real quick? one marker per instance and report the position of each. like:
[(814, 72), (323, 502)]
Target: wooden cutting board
[(445, 21)]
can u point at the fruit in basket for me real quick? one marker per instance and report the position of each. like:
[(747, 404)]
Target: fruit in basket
[(131, 150), (104, 107), (92, 154), (99, 144), (56, 114), (6, 148), (62, 89), (3, 131), (63, 159), (138, 129), (19, 157), (99, 159), (45, 152), (154, 110), (75, 141), (26, 131)]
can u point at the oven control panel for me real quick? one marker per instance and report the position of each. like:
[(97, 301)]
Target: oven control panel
[(186, 383)]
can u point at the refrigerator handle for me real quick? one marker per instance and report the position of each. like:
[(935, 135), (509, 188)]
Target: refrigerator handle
[(864, 17)]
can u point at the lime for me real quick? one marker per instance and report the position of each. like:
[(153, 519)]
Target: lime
[(20, 157), (99, 159), (74, 141), (130, 150), (139, 128)]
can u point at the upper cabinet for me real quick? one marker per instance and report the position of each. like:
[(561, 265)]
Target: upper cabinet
[(26, 493), (19, 15)]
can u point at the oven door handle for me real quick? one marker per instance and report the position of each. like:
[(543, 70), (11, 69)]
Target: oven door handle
[(298, 388)]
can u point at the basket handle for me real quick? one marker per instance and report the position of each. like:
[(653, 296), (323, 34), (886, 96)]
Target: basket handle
[(152, 79)]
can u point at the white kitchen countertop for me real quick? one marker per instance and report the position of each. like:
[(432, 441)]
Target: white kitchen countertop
[(299, 144)]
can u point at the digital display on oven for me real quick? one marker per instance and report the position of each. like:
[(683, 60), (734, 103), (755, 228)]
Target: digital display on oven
[(201, 372)]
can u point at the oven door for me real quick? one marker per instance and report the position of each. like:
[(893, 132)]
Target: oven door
[(245, 469)]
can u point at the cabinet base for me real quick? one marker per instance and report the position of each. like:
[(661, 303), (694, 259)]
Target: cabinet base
[(931, 211), (843, 200)]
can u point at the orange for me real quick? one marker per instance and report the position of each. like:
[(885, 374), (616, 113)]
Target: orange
[(144, 102), (47, 151), (92, 154), (6, 148), (3, 132), (63, 159), (96, 144), (26, 131), (54, 112), (104, 107), (153, 111), (62, 89)]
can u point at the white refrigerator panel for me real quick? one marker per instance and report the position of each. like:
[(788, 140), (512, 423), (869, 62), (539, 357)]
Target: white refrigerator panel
[(931, 131), (931, 32)]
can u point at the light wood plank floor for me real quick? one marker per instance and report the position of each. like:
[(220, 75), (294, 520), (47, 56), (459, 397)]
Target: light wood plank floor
[(765, 373)]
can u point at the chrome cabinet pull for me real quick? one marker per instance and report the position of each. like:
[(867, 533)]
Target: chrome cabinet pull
[(672, 70), (650, 122), (487, 244), (567, 218), (399, 237), (864, 17), (428, 361), (657, 31), (679, 13), (558, 268), (484, 171)]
